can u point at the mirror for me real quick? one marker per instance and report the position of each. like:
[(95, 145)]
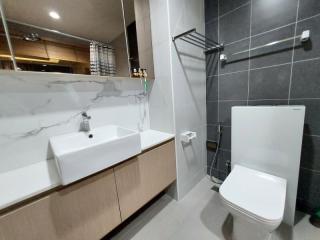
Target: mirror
[(74, 36), (138, 26)]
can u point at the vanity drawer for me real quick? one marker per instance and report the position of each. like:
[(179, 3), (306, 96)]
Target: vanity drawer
[(85, 210), (142, 178)]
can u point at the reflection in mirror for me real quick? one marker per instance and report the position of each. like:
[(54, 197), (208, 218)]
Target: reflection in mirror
[(6, 53), (82, 37), (138, 25)]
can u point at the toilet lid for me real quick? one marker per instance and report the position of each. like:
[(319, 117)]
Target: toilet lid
[(256, 193)]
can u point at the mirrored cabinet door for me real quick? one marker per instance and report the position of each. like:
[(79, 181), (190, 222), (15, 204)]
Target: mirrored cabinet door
[(138, 25), (96, 37), (81, 37)]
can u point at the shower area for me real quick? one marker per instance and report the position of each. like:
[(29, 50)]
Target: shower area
[(269, 56)]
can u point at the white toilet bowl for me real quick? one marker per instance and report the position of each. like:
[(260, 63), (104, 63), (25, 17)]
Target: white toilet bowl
[(255, 197)]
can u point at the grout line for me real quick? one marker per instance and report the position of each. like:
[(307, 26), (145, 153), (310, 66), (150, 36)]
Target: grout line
[(293, 52), (271, 66), (221, 74), (261, 99), (215, 124), (311, 170), (308, 18), (269, 99), (304, 98), (249, 60), (231, 100), (306, 60), (218, 108), (211, 20), (240, 40), (311, 135), (233, 10)]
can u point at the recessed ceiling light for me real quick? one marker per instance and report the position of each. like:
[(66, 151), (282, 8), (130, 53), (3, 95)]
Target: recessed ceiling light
[(54, 15)]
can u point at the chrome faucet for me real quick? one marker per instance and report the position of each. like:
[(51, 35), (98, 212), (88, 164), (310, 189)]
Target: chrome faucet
[(85, 124)]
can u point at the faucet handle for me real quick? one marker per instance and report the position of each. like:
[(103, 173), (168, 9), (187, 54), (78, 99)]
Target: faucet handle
[(85, 115)]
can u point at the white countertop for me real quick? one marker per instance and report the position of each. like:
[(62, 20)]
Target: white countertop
[(151, 138), (25, 182)]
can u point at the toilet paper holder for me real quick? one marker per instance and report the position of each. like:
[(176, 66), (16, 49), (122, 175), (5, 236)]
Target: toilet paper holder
[(187, 136)]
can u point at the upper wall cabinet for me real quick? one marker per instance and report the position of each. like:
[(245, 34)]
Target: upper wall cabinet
[(96, 37), (137, 19)]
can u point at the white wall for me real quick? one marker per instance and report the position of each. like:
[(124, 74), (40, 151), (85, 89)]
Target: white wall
[(180, 85), (35, 106), (189, 90), (161, 95)]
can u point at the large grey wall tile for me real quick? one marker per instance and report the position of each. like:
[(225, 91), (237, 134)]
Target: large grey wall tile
[(309, 188), (225, 110), (226, 138), (306, 79), (212, 132), (212, 88), (310, 49), (270, 83), (233, 86), (237, 62), (229, 5), (312, 117), (310, 154), (267, 15), (211, 9), (274, 54), (235, 25), (212, 112), (212, 64), (308, 8), (212, 30)]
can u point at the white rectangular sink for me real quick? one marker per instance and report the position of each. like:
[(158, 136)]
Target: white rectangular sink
[(81, 154)]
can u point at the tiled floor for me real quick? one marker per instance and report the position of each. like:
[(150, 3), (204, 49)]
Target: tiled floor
[(198, 216)]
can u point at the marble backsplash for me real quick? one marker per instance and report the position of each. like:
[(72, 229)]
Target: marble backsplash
[(35, 106)]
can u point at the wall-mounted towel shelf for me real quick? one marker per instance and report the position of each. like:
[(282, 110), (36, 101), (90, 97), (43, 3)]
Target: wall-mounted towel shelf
[(199, 40), (304, 37)]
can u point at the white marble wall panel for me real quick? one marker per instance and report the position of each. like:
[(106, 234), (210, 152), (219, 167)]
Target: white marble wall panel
[(35, 106)]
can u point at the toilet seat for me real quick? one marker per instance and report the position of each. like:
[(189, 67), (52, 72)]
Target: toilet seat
[(258, 196)]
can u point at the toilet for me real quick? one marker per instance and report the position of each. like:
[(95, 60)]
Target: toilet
[(261, 189), (255, 196)]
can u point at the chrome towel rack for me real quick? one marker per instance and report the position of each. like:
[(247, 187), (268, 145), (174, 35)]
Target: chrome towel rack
[(304, 37), (199, 40)]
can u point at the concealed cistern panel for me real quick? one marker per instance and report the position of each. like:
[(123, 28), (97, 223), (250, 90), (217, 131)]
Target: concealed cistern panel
[(269, 139)]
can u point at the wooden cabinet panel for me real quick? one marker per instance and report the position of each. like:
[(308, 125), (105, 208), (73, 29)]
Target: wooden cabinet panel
[(140, 179), (29, 49), (61, 52), (85, 210)]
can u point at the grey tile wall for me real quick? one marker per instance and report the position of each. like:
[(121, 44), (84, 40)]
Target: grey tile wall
[(279, 75)]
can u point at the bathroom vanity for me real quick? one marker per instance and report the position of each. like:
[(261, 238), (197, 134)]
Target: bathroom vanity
[(92, 207)]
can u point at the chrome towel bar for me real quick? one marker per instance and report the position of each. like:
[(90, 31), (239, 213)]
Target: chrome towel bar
[(304, 37)]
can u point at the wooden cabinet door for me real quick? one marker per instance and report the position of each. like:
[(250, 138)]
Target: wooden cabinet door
[(140, 179), (85, 210)]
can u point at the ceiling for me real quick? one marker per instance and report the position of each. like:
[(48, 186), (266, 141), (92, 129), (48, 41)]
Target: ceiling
[(99, 20)]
